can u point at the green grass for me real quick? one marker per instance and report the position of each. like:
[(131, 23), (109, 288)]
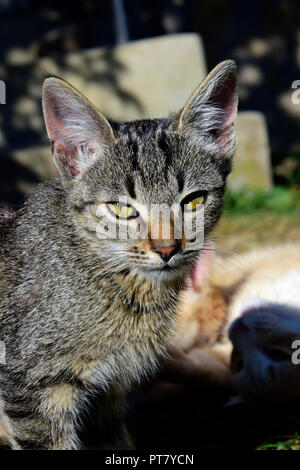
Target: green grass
[(289, 439), (281, 200), (253, 218), (284, 443)]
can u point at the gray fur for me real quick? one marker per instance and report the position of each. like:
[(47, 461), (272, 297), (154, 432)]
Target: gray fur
[(82, 317)]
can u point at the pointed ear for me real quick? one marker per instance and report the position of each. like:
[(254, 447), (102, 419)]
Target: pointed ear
[(76, 128), (209, 114)]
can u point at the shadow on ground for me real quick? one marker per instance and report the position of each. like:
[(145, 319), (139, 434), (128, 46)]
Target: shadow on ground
[(195, 416)]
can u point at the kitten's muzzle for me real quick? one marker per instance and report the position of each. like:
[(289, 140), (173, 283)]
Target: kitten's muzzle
[(165, 252)]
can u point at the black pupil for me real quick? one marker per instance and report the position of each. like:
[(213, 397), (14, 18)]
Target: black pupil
[(193, 196)]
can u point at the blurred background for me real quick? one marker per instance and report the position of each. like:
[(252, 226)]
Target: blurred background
[(137, 59), (79, 42)]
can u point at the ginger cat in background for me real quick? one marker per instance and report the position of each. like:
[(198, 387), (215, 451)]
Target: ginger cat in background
[(238, 318)]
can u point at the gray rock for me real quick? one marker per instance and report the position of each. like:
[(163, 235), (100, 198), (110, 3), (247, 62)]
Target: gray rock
[(141, 79), (251, 165)]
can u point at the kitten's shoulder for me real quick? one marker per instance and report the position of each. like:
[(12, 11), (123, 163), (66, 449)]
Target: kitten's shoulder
[(45, 205), (45, 194), (6, 215)]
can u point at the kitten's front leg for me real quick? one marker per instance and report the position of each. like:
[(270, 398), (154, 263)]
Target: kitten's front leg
[(40, 420)]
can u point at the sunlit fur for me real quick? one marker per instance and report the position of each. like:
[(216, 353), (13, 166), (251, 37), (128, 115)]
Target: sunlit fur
[(256, 297), (82, 317)]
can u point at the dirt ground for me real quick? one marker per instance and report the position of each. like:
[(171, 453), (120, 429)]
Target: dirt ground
[(241, 232)]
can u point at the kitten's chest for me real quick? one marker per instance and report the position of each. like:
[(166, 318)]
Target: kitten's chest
[(125, 356), (125, 344)]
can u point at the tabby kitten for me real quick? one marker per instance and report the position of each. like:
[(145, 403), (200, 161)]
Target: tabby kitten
[(83, 314)]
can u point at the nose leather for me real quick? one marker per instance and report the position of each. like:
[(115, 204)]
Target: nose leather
[(166, 252)]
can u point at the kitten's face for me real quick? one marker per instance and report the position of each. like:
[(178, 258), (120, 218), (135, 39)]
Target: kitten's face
[(144, 193), (149, 165)]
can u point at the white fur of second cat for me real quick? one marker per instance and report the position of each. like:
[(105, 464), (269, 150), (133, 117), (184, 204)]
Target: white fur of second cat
[(248, 304)]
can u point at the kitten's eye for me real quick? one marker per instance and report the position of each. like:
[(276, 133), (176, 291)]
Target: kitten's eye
[(191, 202), (122, 211)]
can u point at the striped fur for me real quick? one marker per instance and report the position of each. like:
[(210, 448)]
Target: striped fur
[(82, 318)]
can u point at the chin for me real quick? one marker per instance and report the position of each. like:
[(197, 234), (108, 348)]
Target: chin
[(166, 272), (163, 276)]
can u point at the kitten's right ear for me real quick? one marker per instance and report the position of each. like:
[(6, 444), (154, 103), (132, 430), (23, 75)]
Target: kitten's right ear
[(209, 114), (77, 130)]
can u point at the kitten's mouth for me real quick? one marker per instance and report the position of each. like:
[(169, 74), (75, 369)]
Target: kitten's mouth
[(165, 268)]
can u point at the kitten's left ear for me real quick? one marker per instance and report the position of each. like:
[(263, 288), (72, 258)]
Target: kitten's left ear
[(211, 111), (77, 130)]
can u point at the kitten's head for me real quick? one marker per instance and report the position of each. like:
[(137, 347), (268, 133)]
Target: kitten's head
[(138, 191)]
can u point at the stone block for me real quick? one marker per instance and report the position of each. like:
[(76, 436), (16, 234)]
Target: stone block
[(251, 165), (141, 79)]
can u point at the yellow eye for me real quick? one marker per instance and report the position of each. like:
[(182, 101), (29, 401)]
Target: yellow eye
[(192, 204), (122, 211)]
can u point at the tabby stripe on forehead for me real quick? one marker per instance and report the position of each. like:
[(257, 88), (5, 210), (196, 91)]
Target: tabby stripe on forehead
[(134, 148), (136, 167), (130, 187), (162, 143), (180, 181)]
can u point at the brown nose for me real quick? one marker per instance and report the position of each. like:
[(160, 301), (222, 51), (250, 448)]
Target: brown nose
[(166, 252)]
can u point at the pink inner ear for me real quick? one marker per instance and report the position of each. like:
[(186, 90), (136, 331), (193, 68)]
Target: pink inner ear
[(62, 148), (56, 130), (231, 116), (202, 266), (66, 158), (225, 135)]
